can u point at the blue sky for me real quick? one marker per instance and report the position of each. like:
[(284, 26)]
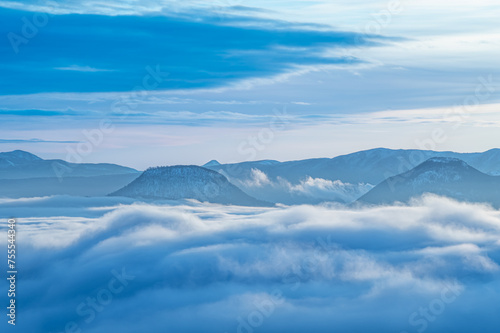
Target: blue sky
[(193, 81)]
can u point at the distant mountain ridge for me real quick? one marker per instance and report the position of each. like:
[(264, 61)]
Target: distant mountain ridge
[(23, 174), (187, 182), (368, 166), (359, 172), (19, 164), (443, 176), (342, 179)]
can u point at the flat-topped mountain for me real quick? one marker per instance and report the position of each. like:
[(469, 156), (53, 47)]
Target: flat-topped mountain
[(187, 182)]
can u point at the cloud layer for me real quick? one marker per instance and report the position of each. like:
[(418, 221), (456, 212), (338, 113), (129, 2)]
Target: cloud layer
[(108, 266)]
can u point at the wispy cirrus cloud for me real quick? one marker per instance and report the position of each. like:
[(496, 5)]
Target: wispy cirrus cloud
[(34, 141), (117, 50), (78, 68)]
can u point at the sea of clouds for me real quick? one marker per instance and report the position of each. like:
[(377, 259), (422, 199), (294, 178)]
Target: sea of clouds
[(111, 265)]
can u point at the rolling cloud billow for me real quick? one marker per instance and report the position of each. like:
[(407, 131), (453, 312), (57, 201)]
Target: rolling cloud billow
[(89, 263)]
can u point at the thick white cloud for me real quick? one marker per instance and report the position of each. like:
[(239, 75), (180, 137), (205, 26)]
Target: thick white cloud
[(234, 269), (310, 190), (326, 189)]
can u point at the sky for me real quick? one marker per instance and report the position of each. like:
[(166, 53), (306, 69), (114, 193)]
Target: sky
[(146, 83)]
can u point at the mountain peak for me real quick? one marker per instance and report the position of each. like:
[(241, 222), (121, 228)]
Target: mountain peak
[(17, 157), (212, 163), (20, 154), (444, 162), (442, 169), (444, 176)]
